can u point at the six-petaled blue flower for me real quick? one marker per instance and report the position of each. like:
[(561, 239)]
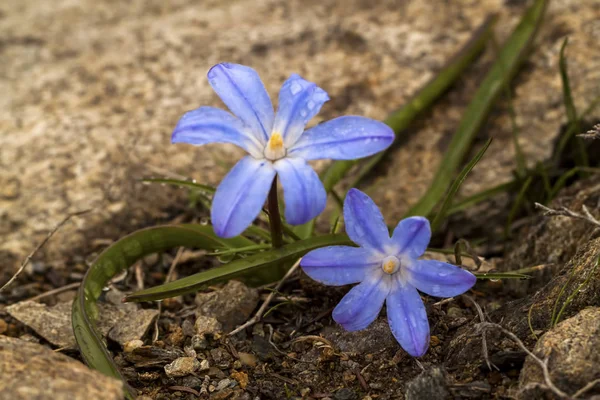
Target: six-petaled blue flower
[(388, 270), (276, 145)]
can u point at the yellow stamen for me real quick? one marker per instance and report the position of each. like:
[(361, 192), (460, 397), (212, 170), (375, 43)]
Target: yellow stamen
[(275, 148), (275, 142), (389, 266)]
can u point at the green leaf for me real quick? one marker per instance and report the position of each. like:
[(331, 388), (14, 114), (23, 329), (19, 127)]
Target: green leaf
[(115, 259), (250, 270), (403, 117), (574, 122), (509, 59), (439, 218)]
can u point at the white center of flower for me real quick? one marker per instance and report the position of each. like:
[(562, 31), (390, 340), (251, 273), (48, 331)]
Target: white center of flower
[(390, 264), (275, 148)]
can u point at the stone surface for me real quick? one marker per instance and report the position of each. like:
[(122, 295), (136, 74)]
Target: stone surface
[(231, 305), (465, 348), (182, 366), (122, 323), (96, 87), (572, 351), (33, 372), (207, 325), (430, 384)]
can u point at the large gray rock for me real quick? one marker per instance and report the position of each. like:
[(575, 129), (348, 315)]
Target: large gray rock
[(121, 323), (30, 371), (572, 349)]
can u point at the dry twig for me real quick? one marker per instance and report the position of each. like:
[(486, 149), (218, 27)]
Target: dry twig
[(484, 348), (167, 280), (564, 211), (542, 363), (264, 306), (39, 246), (591, 134), (61, 289)]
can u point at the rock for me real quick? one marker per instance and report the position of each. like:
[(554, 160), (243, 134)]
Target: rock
[(222, 359), (149, 356), (121, 323), (3, 326), (464, 350), (132, 345), (207, 325), (181, 367), (223, 384), (132, 325), (31, 371), (345, 394), (428, 385), (373, 339), (231, 306), (572, 348), (204, 366)]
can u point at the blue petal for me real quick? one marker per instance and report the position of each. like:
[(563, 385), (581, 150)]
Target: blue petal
[(303, 192), (212, 125), (412, 235), (299, 101), (344, 138), (439, 279), (408, 319), (243, 92), (362, 304), (364, 223), (339, 265), (241, 195)]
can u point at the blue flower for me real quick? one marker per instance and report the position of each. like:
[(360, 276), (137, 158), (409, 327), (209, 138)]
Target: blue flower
[(276, 145), (388, 270)]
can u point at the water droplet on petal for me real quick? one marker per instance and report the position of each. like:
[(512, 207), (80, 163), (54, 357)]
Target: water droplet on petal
[(295, 88)]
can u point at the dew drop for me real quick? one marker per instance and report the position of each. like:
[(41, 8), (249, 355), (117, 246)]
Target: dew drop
[(311, 104), (295, 88)]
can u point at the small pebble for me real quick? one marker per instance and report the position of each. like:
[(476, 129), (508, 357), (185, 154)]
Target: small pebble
[(131, 345), (204, 366), (3, 326), (344, 394), (223, 384), (182, 366)]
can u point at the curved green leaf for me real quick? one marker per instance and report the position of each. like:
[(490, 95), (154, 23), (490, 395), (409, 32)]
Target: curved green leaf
[(114, 260), (250, 270)]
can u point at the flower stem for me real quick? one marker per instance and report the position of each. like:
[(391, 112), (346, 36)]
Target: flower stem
[(275, 216)]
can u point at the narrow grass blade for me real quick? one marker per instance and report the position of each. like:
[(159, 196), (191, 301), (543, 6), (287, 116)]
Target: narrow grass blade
[(481, 196), (574, 126), (517, 205), (114, 260), (250, 270), (401, 119), (441, 215), (512, 54)]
